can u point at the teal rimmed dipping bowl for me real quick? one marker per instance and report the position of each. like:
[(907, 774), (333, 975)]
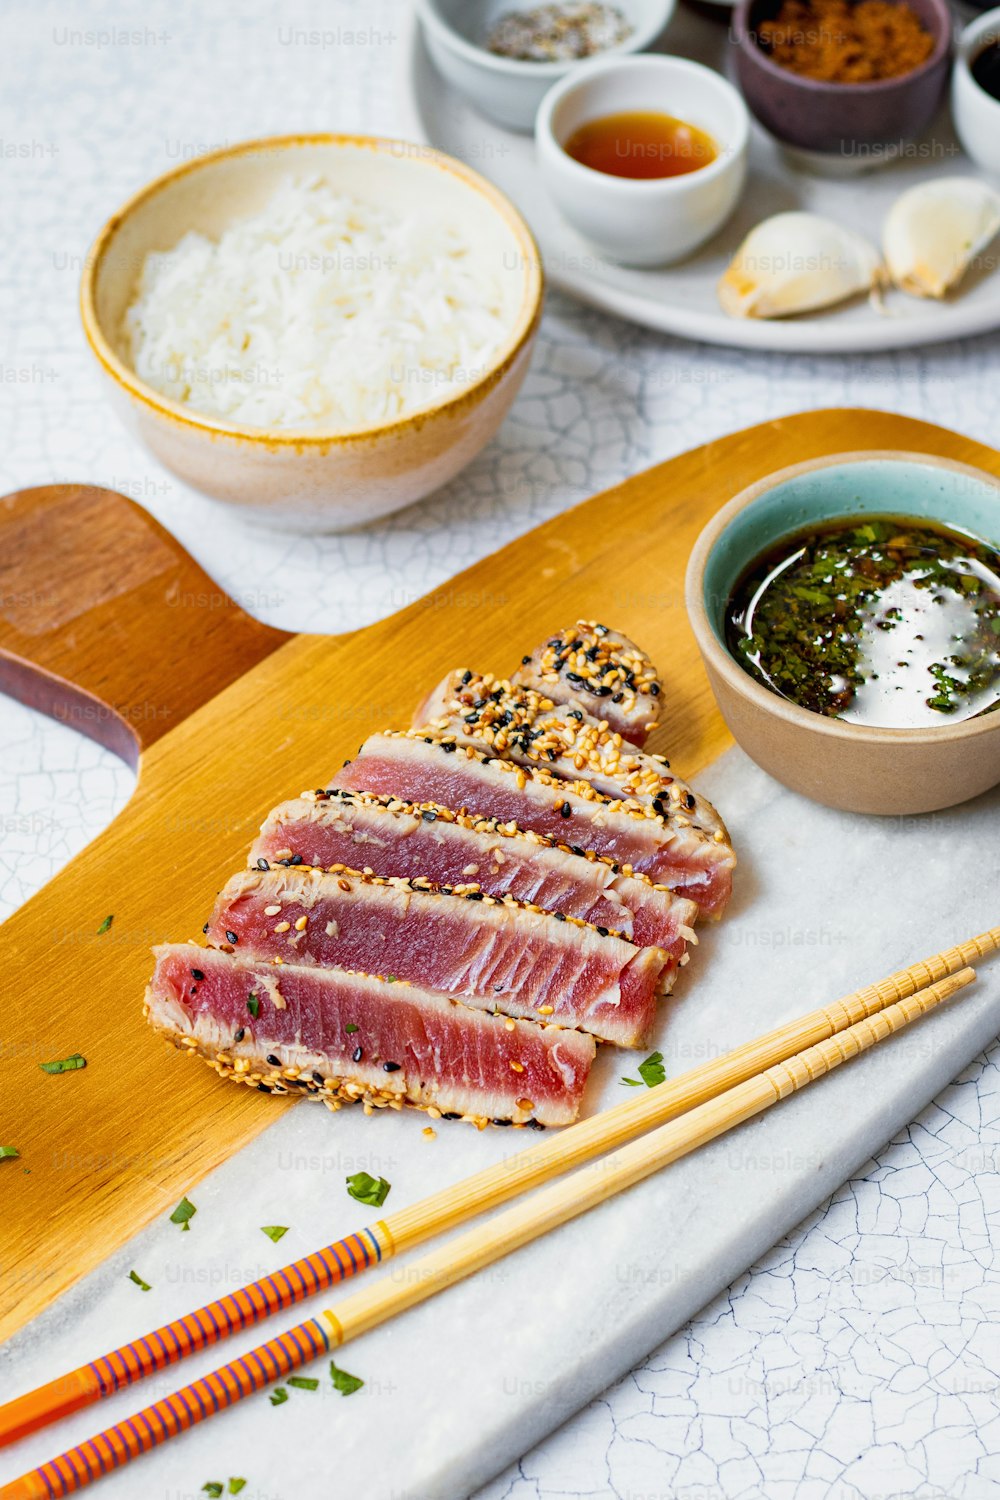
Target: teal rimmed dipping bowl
[(855, 767)]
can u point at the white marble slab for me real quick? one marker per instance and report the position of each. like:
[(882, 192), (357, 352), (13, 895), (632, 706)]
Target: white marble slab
[(459, 1388)]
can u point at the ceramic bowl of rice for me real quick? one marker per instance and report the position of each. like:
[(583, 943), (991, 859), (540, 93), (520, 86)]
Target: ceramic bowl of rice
[(316, 329)]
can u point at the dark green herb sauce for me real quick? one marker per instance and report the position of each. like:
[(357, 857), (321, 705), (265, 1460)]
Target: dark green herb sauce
[(880, 620)]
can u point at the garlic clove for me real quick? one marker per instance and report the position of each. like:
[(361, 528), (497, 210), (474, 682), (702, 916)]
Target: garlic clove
[(797, 262), (934, 232)]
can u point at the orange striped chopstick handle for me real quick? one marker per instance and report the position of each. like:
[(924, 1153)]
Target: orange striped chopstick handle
[(135, 1435), (164, 1346)]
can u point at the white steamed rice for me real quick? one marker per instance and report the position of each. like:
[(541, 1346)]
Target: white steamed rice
[(318, 311)]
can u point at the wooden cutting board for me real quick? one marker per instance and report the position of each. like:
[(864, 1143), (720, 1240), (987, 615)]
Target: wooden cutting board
[(106, 623)]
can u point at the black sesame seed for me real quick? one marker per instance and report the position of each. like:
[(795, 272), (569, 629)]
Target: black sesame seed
[(391, 1067), (262, 1088), (560, 916), (617, 697), (654, 690), (262, 864), (448, 746), (357, 1055), (197, 974), (466, 677), (429, 817), (474, 895), (205, 928), (565, 809), (321, 791), (525, 661), (274, 1061), (689, 801), (239, 1035), (451, 1114), (318, 1078), (231, 937), (603, 931), (502, 1122), (535, 1125), (296, 859)]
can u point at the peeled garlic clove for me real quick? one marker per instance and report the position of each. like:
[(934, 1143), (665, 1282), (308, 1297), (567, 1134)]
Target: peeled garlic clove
[(934, 231), (794, 263)]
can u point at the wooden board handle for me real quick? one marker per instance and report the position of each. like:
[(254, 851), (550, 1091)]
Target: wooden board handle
[(107, 624)]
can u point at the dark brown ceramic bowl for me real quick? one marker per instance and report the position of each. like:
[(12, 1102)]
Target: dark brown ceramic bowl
[(851, 124)]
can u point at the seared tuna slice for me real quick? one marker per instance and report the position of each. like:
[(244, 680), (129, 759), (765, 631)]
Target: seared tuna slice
[(492, 952), (520, 724), (342, 1037), (434, 767), (388, 837), (600, 671)]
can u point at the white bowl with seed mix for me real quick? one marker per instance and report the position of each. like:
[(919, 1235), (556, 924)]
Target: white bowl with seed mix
[(548, 40)]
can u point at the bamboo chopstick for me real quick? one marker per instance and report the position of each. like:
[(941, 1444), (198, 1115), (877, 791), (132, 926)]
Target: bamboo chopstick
[(111, 1372), (525, 1221)]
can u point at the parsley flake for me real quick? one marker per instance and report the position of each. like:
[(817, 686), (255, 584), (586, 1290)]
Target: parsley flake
[(274, 1231), (344, 1383), (279, 1396), (367, 1189), (651, 1072), (303, 1382), (183, 1213), (105, 924), (253, 1006), (143, 1286)]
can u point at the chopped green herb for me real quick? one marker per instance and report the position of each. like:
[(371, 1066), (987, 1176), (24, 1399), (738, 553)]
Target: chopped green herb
[(64, 1064), (303, 1382), (274, 1231), (368, 1189), (350, 1027), (892, 622), (211, 1488), (7, 1153), (183, 1213), (143, 1286), (344, 1383), (253, 1006), (235, 1485), (651, 1072), (105, 924), (279, 1396)]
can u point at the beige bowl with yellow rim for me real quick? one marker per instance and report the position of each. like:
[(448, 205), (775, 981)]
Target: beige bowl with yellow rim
[(311, 479)]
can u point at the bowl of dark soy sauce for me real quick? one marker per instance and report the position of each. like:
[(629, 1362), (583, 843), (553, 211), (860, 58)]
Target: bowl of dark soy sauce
[(848, 614)]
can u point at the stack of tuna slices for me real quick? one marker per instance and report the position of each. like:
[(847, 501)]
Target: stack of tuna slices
[(467, 908)]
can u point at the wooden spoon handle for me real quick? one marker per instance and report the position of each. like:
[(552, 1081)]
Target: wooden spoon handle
[(107, 624)]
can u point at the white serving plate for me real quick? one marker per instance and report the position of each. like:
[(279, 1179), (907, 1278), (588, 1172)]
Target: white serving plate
[(681, 299)]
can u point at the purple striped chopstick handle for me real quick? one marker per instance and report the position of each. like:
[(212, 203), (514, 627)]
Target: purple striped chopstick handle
[(237, 1311), (193, 1403)]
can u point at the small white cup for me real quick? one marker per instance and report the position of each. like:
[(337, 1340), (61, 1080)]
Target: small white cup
[(976, 113), (644, 221)]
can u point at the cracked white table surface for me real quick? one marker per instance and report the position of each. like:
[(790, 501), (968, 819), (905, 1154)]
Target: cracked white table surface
[(859, 1360)]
